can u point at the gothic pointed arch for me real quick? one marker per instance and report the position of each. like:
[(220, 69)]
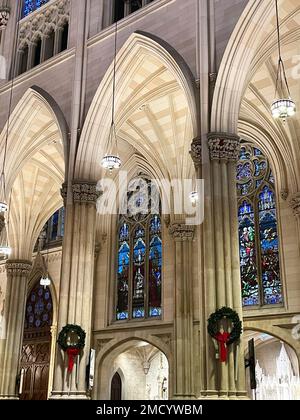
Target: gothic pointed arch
[(155, 109), (34, 167)]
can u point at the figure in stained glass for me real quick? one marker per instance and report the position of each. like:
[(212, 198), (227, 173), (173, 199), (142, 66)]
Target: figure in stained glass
[(258, 232)]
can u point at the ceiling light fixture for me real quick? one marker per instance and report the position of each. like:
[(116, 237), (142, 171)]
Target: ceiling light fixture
[(283, 107)]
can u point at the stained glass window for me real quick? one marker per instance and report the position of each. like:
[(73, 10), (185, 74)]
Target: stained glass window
[(30, 6), (258, 230), (39, 309), (139, 279)]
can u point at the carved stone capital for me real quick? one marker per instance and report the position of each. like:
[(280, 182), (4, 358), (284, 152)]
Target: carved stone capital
[(295, 204), (2, 223), (4, 17), (18, 268), (224, 147), (196, 152), (181, 232), (85, 192)]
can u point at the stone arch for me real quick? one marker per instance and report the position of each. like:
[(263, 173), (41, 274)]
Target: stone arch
[(275, 332), (148, 54), (34, 168), (115, 347), (232, 77)]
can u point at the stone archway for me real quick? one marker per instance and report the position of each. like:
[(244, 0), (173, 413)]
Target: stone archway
[(276, 368), (37, 136), (136, 370)]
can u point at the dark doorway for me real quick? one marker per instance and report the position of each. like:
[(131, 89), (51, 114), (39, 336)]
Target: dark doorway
[(116, 388), (35, 358)]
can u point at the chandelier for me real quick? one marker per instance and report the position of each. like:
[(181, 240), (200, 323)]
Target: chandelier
[(112, 161), (283, 107)]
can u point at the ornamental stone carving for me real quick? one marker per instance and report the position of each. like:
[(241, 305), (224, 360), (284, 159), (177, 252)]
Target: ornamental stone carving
[(18, 268), (196, 152), (4, 17), (284, 193), (181, 232), (224, 147), (295, 204), (43, 21), (85, 192)]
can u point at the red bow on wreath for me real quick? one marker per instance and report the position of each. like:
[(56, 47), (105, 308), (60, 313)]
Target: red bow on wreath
[(72, 353), (222, 339)]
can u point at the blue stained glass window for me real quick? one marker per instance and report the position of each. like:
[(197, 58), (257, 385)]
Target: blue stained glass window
[(140, 255), (258, 232), (39, 309), (30, 6), (123, 272)]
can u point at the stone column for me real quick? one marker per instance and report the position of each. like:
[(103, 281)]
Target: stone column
[(4, 17), (76, 292), (183, 342), (10, 348), (2, 223), (224, 288)]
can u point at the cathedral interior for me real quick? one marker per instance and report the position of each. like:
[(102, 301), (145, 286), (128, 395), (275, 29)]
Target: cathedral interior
[(149, 200)]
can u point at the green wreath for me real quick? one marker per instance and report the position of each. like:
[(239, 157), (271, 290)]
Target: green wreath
[(65, 334), (228, 313)]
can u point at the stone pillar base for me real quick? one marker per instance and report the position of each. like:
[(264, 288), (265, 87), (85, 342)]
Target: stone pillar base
[(79, 396), (184, 397), (9, 397)]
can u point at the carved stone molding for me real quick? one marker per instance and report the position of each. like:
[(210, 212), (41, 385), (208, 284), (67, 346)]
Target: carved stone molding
[(224, 147), (213, 79), (166, 338), (4, 17), (18, 268), (101, 343), (196, 152), (295, 204), (181, 232), (2, 223), (284, 193), (85, 192), (43, 21)]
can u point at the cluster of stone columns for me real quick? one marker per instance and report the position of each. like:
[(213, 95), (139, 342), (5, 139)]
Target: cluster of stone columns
[(183, 236), (221, 282), (77, 281), (11, 345)]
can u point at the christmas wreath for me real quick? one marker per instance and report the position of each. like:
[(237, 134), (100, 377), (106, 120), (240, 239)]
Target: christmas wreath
[(71, 340), (224, 338)]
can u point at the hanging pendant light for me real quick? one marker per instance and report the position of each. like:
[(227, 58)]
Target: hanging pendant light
[(45, 280), (283, 107), (112, 161), (194, 197)]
